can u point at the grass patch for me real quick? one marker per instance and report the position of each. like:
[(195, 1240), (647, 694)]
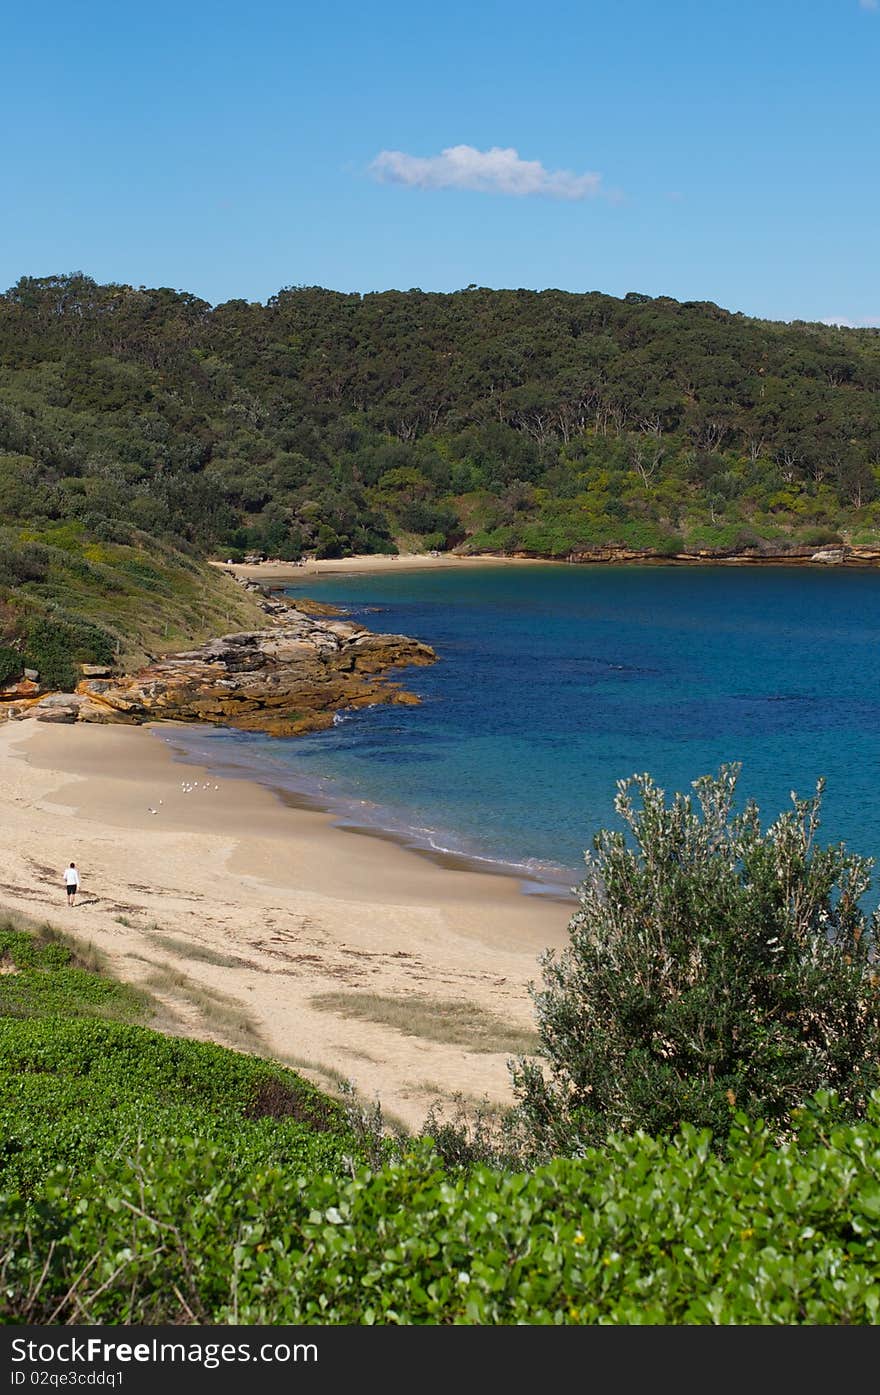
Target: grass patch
[(453, 1023), (73, 1092), (46, 974), (342, 1091), (218, 1011), (332, 1079), (461, 1101), (188, 950)]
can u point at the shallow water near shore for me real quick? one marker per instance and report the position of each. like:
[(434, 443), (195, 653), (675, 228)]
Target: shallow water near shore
[(554, 682)]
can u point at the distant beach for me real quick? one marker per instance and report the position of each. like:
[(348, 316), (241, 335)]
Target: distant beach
[(282, 573)]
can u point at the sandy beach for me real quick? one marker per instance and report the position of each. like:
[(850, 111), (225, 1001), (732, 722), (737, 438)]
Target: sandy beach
[(282, 572), (232, 907)]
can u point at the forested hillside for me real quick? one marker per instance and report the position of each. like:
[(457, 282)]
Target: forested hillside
[(543, 422)]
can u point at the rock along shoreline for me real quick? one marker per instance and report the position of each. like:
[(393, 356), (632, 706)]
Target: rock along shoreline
[(800, 555), (285, 680)]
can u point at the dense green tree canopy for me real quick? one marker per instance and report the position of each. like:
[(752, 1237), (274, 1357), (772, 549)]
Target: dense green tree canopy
[(544, 421)]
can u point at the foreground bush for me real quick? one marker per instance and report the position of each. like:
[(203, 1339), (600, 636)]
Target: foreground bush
[(639, 1231), (712, 966)]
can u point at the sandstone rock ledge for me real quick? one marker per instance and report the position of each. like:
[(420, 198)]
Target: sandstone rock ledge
[(285, 680), (766, 553)]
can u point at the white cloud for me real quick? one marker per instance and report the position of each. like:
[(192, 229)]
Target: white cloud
[(866, 322), (870, 4), (496, 171)]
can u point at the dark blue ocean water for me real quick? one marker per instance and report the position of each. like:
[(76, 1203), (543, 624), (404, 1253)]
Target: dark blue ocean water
[(556, 681)]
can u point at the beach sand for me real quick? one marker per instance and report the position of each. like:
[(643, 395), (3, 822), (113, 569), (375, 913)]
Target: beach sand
[(281, 572), (284, 905)]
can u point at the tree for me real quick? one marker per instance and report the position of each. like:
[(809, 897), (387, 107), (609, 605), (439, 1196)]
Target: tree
[(712, 967)]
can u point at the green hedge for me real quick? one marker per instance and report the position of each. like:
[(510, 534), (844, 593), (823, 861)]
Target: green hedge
[(638, 1231), (80, 1082)]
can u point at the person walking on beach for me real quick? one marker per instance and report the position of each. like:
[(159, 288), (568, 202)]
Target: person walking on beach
[(71, 881)]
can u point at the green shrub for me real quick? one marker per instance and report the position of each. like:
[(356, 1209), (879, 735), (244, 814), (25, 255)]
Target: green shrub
[(78, 1079), (56, 645), (649, 537), (710, 966), (23, 950), (147, 1062), (34, 993), (23, 563), (721, 537), (819, 537), (11, 664), (49, 650), (639, 1231)]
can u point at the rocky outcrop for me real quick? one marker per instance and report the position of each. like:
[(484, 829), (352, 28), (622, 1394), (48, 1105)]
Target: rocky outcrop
[(21, 688), (284, 680), (276, 604), (58, 707), (767, 554), (831, 556)]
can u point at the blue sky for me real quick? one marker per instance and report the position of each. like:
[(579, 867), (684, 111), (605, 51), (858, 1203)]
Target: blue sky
[(718, 151)]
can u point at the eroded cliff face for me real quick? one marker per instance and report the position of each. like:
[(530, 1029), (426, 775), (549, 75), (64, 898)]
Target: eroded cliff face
[(285, 680)]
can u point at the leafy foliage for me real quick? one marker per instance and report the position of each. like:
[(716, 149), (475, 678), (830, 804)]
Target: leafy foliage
[(637, 1231), (80, 1081), (79, 1092), (541, 421), (148, 1180), (11, 663), (711, 966), (42, 979), (54, 646)]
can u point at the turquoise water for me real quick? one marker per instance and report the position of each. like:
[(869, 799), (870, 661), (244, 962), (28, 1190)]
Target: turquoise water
[(555, 681)]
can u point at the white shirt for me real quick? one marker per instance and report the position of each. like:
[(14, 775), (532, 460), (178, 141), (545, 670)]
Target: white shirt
[(71, 876)]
